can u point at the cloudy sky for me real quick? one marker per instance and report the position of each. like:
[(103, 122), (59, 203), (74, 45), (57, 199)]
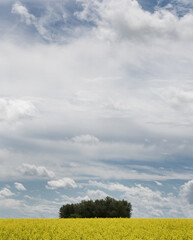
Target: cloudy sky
[(96, 99)]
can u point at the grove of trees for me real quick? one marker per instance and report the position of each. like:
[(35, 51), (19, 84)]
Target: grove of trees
[(103, 208)]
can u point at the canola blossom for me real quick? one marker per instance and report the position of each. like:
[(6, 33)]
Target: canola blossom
[(96, 229)]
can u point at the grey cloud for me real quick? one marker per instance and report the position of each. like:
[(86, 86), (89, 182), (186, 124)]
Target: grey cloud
[(35, 171), (89, 139), (178, 98)]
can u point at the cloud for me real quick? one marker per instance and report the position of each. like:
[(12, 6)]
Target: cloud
[(10, 203), (106, 20), (89, 195), (187, 191), (16, 109), (30, 19), (64, 183), (100, 103), (35, 171), (21, 10), (137, 190), (55, 21), (39, 208), (5, 192), (87, 139), (78, 199), (19, 186), (158, 183), (110, 186), (145, 201), (96, 194), (177, 98), (182, 7), (127, 21)]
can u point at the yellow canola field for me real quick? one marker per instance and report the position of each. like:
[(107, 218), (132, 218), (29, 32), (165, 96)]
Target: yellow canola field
[(96, 229)]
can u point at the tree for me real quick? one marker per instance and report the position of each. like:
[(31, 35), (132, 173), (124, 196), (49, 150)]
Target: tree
[(103, 208)]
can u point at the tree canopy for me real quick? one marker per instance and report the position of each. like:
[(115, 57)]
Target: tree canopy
[(103, 208)]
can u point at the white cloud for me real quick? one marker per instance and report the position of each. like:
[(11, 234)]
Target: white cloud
[(18, 8), (177, 98), (89, 195), (35, 171), (15, 109), (78, 199), (5, 192), (96, 194), (187, 191), (145, 201), (87, 139), (110, 186), (108, 20), (10, 203), (61, 183), (40, 208), (133, 191), (19, 186), (127, 20)]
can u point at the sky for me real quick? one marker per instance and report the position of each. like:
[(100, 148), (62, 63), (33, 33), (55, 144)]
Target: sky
[(96, 100)]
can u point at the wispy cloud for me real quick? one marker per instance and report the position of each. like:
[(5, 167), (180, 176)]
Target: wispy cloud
[(89, 139), (5, 192), (19, 186), (28, 18)]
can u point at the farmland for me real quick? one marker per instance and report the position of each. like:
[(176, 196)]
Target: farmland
[(99, 229)]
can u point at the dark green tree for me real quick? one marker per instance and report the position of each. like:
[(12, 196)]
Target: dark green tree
[(103, 208)]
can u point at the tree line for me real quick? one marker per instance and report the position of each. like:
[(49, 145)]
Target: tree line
[(103, 208)]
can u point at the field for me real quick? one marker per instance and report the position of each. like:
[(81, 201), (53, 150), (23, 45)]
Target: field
[(96, 229)]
